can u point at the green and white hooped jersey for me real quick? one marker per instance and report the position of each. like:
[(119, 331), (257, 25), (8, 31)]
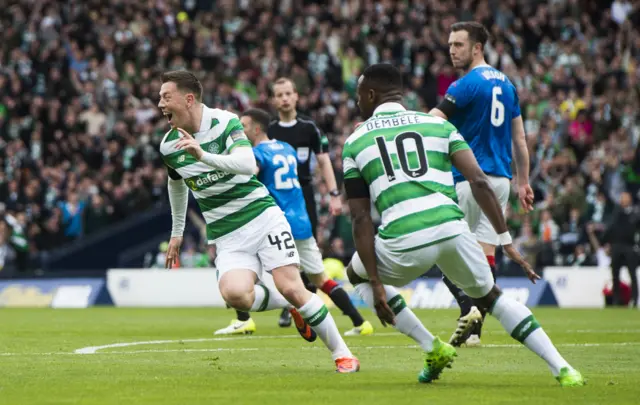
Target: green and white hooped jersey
[(404, 158), (18, 238), (227, 201)]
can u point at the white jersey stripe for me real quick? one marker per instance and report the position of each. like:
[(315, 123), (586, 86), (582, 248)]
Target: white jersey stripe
[(373, 152), (434, 233), (234, 206), (194, 170), (349, 164), (382, 183), (408, 207)]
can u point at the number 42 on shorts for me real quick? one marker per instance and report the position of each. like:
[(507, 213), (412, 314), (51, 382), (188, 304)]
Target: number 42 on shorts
[(286, 241)]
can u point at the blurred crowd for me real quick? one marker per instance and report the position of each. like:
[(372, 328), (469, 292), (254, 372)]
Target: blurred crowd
[(79, 128)]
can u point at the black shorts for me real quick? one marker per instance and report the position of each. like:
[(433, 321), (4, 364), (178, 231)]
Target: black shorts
[(310, 201)]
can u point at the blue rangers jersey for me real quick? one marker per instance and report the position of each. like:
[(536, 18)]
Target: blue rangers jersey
[(485, 101), (278, 164)]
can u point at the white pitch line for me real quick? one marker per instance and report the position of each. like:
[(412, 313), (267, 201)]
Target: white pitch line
[(243, 349), (493, 346), (38, 354), (95, 349), (607, 331), (221, 349), (229, 349)]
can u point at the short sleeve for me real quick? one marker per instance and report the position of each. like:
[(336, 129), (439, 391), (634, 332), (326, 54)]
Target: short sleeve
[(259, 154), (233, 135), (349, 166), (516, 104), (459, 93), (456, 142), (319, 142), (354, 184)]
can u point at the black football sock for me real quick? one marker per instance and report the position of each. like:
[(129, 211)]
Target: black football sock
[(243, 316), (477, 329), (340, 297), (463, 301), (308, 284)]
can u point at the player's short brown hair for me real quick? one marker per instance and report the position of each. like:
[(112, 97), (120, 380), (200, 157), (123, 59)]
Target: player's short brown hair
[(477, 32), (284, 80), (185, 81), (259, 116)]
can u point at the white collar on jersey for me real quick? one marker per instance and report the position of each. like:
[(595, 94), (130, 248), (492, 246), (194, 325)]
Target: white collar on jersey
[(287, 124), (205, 122), (389, 107)]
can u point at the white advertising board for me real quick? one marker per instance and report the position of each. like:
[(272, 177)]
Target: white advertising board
[(581, 287), (164, 288)]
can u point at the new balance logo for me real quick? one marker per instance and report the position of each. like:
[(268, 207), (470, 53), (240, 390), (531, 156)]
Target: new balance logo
[(291, 254)]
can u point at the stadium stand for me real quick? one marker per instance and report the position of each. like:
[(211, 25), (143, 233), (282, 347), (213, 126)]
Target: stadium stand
[(79, 127)]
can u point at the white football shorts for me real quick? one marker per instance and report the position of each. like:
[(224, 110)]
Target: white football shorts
[(478, 222), (310, 256), (263, 244), (459, 257)]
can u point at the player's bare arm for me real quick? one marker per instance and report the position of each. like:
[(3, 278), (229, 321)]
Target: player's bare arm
[(521, 156), (326, 168), (466, 163), (363, 235), (438, 113), (364, 238), (240, 161)]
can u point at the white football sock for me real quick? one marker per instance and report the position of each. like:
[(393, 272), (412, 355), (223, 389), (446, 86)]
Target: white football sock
[(406, 321), (520, 323), (316, 314), (267, 299)]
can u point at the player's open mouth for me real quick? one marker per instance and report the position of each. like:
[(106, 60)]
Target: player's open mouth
[(168, 116)]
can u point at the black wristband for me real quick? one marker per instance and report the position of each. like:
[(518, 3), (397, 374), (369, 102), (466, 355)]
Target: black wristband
[(334, 193)]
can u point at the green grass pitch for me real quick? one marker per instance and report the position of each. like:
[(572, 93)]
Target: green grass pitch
[(38, 363)]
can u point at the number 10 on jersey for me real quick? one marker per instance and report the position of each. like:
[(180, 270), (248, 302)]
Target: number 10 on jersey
[(403, 157)]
